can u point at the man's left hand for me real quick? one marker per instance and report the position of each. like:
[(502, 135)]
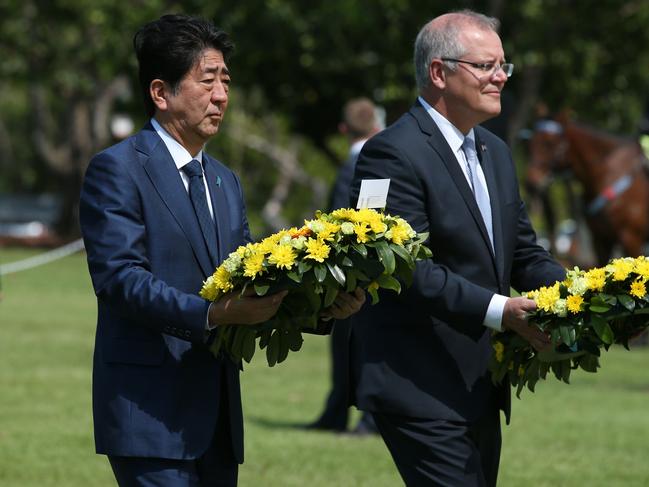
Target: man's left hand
[(345, 305)]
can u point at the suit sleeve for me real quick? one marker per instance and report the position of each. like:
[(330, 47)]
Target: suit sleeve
[(436, 290), (115, 232)]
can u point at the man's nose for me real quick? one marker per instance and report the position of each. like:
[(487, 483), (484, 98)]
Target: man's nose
[(219, 93)]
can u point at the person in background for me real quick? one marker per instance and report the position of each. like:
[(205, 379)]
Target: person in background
[(420, 359), (158, 214), (360, 120)]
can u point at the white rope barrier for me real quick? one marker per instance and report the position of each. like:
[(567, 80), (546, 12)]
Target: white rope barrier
[(42, 259)]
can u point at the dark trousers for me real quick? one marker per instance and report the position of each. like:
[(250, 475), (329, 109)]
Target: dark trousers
[(217, 467), (336, 411), (429, 452)]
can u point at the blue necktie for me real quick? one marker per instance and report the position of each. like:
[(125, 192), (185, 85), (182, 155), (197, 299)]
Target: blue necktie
[(479, 191), (198, 197)]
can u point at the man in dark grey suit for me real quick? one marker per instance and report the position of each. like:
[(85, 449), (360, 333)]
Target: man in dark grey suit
[(419, 360), (361, 120)]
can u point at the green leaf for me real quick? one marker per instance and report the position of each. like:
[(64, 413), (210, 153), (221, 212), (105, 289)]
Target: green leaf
[(330, 296), (261, 289), (347, 262), (627, 301), (567, 334), (320, 272), (386, 256), (294, 276), (360, 248), (294, 338), (337, 273), (264, 338), (374, 295), (404, 254), (248, 345), (272, 351), (602, 328), (283, 347), (599, 309), (304, 266), (351, 281), (608, 299), (589, 363), (389, 282), (237, 343)]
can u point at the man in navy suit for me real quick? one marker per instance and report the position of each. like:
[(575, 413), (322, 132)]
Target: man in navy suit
[(158, 215), (420, 359)]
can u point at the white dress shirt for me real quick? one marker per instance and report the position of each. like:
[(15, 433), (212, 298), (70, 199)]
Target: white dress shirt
[(455, 138)]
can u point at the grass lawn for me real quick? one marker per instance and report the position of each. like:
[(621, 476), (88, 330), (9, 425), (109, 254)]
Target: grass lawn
[(594, 432)]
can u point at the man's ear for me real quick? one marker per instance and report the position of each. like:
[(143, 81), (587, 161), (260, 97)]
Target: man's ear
[(437, 74), (159, 91)]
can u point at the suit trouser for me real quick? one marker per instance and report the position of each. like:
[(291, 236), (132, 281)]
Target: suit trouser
[(336, 412), (430, 452), (216, 467)]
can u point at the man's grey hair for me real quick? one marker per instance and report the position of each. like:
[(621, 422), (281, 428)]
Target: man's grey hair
[(443, 41)]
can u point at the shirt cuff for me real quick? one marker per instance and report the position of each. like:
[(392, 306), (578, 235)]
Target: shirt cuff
[(208, 326), (494, 317)]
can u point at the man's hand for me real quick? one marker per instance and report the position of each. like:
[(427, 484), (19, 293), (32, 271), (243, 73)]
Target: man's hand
[(345, 305), (249, 309), (515, 319)]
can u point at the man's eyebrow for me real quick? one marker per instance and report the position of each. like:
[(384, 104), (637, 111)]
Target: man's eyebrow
[(215, 69)]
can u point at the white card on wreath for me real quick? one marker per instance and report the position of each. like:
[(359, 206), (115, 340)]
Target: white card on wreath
[(373, 193)]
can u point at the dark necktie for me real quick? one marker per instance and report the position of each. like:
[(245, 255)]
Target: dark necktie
[(198, 196), (479, 191)]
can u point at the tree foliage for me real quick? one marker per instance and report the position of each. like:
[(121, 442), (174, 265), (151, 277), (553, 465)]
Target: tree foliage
[(67, 66)]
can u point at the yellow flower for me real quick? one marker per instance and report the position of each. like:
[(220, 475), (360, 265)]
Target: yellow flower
[(253, 264), (642, 267), (499, 350), (371, 218), (546, 297), (317, 250), (329, 231), (269, 243), (282, 256), (209, 290), (620, 268), (574, 303), (343, 214), (638, 289), (399, 232), (361, 230), (222, 279), (595, 278)]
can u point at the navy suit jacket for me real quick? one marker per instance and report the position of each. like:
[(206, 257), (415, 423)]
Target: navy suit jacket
[(425, 352), (156, 386)]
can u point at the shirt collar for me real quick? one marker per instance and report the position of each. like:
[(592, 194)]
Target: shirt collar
[(356, 147), (179, 154), (451, 133)]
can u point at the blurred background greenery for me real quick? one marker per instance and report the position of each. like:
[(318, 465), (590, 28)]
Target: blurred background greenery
[(68, 74)]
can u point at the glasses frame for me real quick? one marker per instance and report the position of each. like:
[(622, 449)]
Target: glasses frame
[(489, 69)]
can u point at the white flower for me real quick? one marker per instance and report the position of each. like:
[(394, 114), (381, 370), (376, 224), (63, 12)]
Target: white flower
[(560, 308), (298, 243), (232, 263), (578, 286), (347, 228)]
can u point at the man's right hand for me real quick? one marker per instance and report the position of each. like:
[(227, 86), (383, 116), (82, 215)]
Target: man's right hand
[(515, 319), (249, 309)]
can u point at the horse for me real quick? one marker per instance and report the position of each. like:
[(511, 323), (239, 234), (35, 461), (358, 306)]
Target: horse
[(612, 172)]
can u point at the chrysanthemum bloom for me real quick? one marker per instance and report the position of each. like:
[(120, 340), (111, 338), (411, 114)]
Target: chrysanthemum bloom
[(317, 250), (642, 267), (620, 268), (361, 230), (283, 256), (596, 279), (253, 264), (499, 351), (222, 279), (638, 289), (546, 297), (574, 303)]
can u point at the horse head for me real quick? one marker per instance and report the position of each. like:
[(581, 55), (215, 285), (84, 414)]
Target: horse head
[(548, 147)]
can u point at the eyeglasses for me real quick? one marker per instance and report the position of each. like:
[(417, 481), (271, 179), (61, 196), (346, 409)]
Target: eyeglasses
[(487, 68)]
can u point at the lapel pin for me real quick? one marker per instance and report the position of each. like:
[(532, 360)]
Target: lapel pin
[(218, 181)]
